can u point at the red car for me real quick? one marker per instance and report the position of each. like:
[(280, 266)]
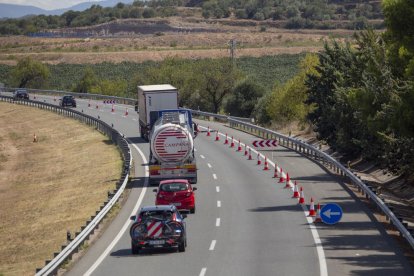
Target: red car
[(177, 192)]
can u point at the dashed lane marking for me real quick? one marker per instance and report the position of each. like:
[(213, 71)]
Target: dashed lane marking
[(212, 245), (218, 189), (218, 203), (209, 165), (202, 156), (214, 176), (217, 222), (203, 271)]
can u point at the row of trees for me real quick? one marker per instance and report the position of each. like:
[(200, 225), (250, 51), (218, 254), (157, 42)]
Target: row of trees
[(299, 13)]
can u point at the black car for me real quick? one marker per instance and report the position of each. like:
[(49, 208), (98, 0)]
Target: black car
[(160, 226), (67, 101), (20, 94)]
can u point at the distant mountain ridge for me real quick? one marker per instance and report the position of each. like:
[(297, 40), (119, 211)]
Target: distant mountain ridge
[(16, 11)]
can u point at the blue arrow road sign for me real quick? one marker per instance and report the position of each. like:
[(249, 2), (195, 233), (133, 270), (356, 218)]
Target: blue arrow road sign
[(331, 213)]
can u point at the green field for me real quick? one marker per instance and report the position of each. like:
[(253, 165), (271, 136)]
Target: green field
[(267, 70)]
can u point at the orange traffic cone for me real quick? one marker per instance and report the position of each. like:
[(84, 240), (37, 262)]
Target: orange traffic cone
[(275, 174), (312, 212), (113, 109), (245, 149), (250, 154), (239, 146), (232, 142), (34, 138), (258, 159), (266, 167), (295, 191), (281, 179), (217, 136), (301, 196), (288, 185), (126, 112), (208, 131), (318, 214), (226, 141)]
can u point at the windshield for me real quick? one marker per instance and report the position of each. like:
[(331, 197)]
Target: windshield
[(174, 187), (162, 215)]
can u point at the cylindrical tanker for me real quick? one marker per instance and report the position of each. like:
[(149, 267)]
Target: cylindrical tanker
[(171, 143)]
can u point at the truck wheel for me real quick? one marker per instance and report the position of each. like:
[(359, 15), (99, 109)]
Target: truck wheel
[(135, 249), (192, 211), (181, 247)]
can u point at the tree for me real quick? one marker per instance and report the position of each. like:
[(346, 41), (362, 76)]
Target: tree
[(29, 73), (87, 82), (216, 79), (244, 98)]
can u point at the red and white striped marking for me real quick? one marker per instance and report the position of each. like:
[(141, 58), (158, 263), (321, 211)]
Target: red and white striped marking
[(154, 229)]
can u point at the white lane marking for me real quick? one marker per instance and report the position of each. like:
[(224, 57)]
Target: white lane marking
[(134, 119), (218, 189), (218, 203), (214, 176), (127, 223), (318, 243), (212, 245), (203, 271), (209, 165), (202, 156), (195, 149), (319, 248), (217, 222)]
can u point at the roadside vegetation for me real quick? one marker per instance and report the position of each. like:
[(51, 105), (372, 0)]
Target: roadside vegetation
[(43, 184), (294, 14)]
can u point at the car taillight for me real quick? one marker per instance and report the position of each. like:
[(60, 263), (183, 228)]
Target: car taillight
[(192, 170), (154, 172)]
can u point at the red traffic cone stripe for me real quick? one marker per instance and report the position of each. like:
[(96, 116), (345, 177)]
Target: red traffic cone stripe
[(239, 148), (250, 154), (318, 214), (275, 174), (302, 196), (281, 179), (226, 141), (295, 191), (245, 149), (266, 166), (312, 212), (258, 159), (288, 185), (113, 109), (217, 136), (232, 142), (208, 131), (126, 112)]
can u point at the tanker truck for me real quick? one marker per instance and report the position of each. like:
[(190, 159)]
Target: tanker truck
[(172, 146), (170, 132)]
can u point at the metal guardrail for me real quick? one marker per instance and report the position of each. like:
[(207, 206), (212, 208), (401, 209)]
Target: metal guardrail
[(67, 251), (319, 156), (90, 96)]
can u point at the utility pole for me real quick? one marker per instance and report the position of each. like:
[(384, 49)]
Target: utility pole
[(232, 46)]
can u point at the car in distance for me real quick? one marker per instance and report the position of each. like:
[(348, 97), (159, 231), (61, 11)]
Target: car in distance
[(177, 192), (67, 100), (159, 226), (20, 94)]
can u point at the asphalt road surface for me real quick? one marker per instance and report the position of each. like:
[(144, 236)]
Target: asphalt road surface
[(245, 223)]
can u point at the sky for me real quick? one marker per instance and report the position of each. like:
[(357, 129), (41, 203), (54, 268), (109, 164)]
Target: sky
[(47, 4)]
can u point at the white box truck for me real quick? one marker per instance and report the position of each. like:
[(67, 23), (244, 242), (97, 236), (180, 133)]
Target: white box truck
[(154, 98)]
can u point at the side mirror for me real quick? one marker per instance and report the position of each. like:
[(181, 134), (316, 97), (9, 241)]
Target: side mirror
[(195, 189), (133, 218), (155, 190), (184, 216)]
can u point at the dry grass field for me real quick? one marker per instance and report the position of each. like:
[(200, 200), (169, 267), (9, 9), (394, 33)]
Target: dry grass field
[(173, 37), (48, 187)]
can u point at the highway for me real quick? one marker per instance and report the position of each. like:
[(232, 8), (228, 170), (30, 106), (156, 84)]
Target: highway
[(245, 222)]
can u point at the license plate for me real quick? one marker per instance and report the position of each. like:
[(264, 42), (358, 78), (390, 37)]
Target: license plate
[(176, 203), (157, 242)]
